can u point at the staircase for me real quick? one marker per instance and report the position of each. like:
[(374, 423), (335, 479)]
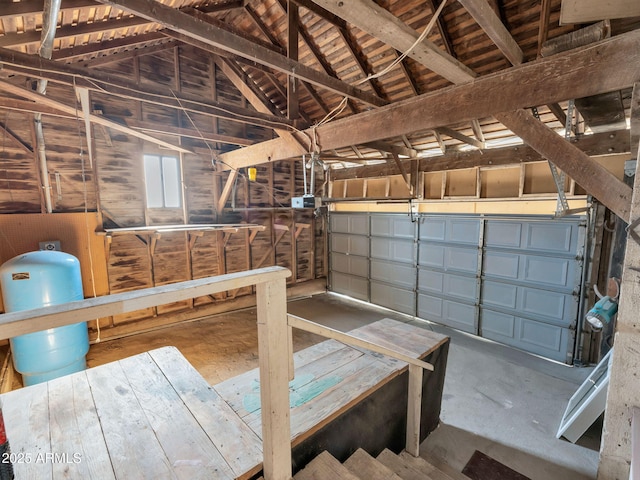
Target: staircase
[(387, 466)]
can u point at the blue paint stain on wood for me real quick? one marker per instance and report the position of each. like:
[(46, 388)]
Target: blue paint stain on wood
[(302, 389)]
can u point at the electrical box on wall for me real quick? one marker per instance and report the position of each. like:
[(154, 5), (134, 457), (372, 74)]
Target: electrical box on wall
[(306, 201), (51, 245)]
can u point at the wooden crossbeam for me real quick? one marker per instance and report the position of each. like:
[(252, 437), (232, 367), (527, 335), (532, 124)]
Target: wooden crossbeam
[(585, 11), (459, 136)]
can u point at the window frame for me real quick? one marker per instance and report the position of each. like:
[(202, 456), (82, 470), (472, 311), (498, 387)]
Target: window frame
[(163, 188)]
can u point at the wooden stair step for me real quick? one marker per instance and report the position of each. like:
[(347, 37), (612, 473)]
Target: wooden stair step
[(444, 466), (323, 467), (422, 465), (400, 467), (365, 466)]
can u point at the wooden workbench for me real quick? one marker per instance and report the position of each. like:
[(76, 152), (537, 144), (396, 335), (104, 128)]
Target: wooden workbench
[(153, 416)]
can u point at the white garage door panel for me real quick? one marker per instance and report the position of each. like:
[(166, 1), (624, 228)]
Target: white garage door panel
[(448, 312), (550, 341), (350, 264), (456, 259), (356, 287), (392, 226), (392, 297), (390, 249), (357, 224), (352, 244), (448, 285), (400, 274)]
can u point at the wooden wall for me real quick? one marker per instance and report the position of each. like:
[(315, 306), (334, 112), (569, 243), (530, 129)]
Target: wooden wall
[(111, 182)]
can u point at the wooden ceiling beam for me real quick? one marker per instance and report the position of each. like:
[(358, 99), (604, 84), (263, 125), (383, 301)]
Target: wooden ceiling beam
[(360, 62), (322, 13), (543, 26), (130, 54), (202, 31), (33, 7), (34, 66), (136, 41), (293, 21), (615, 142), (27, 38), (486, 17), (17, 105), (71, 110), (586, 11)]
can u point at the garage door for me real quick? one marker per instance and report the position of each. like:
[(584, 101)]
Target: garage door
[(513, 280)]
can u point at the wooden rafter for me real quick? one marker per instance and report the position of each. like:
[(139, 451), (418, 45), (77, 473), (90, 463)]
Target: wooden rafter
[(585, 11), (13, 39), (494, 28), (202, 31), (407, 74), (89, 49), (543, 27), (442, 27), (322, 13), (167, 44), (200, 134), (360, 62), (477, 130)]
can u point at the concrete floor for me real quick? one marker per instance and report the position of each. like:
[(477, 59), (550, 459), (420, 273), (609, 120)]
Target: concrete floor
[(504, 402)]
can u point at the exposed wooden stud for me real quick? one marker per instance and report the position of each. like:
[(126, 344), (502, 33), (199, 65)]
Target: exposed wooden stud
[(494, 28), (273, 333), (414, 408), (403, 172), (441, 144)]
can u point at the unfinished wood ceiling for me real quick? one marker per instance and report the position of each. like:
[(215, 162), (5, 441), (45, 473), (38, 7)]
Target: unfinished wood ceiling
[(260, 45)]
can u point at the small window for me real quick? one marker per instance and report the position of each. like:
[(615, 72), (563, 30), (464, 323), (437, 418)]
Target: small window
[(162, 177)]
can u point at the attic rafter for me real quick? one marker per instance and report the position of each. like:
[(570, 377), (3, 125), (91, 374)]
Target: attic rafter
[(204, 32), (442, 27), (34, 66), (360, 62), (71, 110), (136, 41), (612, 64), (494, 28), (607, 188), (32, 7), (13, 39)]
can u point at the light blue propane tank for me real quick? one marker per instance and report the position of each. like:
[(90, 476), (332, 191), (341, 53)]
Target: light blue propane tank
[(41, 279)]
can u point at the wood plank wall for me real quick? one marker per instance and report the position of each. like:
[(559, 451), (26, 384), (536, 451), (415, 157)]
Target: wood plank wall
[(113, 185)]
